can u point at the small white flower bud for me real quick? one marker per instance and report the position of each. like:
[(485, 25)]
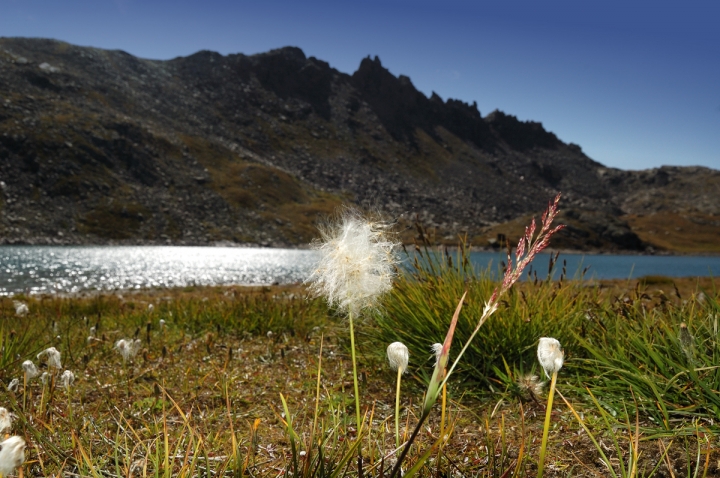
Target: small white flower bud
[(21, 308), (30, 369), (67, 379), (128, 348), (550, 355), (122, 347), (14, 384), (398, 356)]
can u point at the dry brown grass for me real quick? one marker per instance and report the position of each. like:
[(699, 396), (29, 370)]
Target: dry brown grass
[(687, 233), (211, 356)]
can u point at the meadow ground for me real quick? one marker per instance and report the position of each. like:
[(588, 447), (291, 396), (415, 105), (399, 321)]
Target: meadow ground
[(202, 396)]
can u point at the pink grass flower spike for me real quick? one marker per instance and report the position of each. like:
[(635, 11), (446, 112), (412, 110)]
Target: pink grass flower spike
[(528, 247)]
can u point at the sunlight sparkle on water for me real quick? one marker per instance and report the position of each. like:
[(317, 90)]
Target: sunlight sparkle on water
[(46, 269)]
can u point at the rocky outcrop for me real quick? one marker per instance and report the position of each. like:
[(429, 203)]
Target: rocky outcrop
[(99, 146)]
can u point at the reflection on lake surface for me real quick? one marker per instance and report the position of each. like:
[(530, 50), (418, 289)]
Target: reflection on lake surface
[(48, 269), (51, 269)]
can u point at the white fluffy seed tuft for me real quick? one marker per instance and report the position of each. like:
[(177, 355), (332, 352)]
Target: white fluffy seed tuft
[(12, 455), (52, 356), (550, 355), (30, 369), (398, 356), (437, 351), (5, 420), (356, 264), (67, 379), (128, 348), (21, 308)]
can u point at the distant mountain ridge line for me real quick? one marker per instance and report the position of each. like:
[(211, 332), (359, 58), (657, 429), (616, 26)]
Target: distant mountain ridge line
[(99, 146)]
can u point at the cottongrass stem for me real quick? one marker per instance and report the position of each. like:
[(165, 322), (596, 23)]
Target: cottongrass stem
[(437, 351), (30, 372), (66, 380), (398, 356), (551, 357), (356, 266)]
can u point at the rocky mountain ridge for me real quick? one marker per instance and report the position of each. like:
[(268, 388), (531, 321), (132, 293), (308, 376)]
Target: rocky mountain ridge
[(99, 146)]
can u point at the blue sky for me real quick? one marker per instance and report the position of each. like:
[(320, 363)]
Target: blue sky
[(636, 84)]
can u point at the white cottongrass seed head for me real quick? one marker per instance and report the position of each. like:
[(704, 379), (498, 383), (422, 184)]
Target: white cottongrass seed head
[(128, 348), (44, 378), (398, 356), (67, 379), (30, 369), (21, 308), (5, 420), (436, 350), (12, 455), (530, 385), (13, 385), (52, 356), (357, 263), (550, 355)]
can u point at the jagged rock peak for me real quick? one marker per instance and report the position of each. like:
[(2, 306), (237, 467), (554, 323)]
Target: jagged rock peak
[(292, 53)]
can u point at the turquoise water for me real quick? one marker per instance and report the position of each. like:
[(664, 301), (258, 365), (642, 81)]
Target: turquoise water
[(55, 269), (614, 266)]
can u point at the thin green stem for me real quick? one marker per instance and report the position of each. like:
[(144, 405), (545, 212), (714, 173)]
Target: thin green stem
[(355, 378), (442, 410), (397, 409), (317, 395), (486, 314), (546, 429), (70, 407)]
